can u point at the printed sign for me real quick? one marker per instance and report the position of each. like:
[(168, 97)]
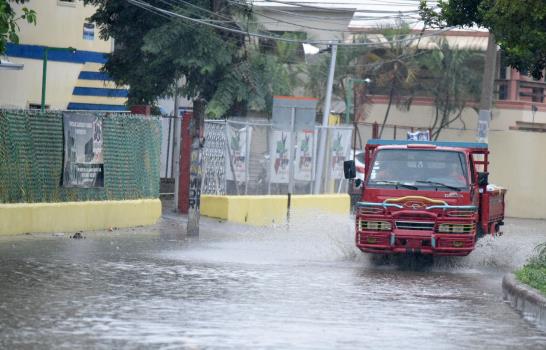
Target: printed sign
[(237, 161), (340, 145), (304, 156), (421, 135), (280, 164), (83, 160), (88, 31)]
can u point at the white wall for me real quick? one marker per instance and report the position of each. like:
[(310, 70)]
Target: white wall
[(422, 116), (518, 163), (61, 25), (19, 88)]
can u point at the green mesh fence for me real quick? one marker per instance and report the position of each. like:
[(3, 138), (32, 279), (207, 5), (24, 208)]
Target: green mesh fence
[(32, 150)]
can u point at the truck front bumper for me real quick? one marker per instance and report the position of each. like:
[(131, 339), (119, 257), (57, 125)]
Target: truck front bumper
[(413, 241)]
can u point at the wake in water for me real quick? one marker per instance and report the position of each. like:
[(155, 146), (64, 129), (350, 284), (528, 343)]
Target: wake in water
[(321, 238)]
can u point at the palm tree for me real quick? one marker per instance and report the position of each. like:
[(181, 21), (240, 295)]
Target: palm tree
[(397, 68), (347, 66), (453, 78)]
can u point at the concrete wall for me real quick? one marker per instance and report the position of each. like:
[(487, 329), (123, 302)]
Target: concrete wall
[(267, 210), (77, 216), (517, 157), (421, 115), (518, 163)]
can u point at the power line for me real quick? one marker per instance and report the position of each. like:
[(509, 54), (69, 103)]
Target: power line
[(276, 20), (150, 7)]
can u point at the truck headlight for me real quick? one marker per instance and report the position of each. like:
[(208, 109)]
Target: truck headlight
[(456, 228), (374, 225)]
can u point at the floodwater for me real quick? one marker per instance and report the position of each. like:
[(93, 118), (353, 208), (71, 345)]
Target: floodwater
[(302, 287)]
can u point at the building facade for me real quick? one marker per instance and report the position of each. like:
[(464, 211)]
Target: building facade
[(75, 56)]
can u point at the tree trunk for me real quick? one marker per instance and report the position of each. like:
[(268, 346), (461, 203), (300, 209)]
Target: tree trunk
[(433, 132), (197, 140), (391, 94), (359, 92), (443, 124), (445, 116)]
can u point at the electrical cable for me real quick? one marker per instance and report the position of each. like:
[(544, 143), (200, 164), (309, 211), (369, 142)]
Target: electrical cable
[(147, 6)]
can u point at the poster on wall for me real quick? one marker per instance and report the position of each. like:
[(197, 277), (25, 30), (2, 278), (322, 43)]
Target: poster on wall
[(304, 156), (88, 31), (340, 146), (280, 166), (238, 148), (83, 160)]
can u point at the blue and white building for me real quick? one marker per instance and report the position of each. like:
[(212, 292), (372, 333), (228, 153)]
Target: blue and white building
[(74, 78)]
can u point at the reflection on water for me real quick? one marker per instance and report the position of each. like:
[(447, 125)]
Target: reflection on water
[(302, 287)]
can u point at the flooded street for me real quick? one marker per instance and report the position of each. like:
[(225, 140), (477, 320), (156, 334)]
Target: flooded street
[(237, 287)]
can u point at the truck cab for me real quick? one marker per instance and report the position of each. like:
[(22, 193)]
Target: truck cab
[(426, 197)]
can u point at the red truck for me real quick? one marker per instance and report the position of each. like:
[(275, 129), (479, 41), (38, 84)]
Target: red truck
[(425, 197)]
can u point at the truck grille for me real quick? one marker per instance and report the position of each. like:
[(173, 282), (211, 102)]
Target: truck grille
[(415, 225)]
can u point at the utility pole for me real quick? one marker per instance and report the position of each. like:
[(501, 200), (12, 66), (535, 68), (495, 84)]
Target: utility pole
[(176, 145), (196, 171), (488, 83), (324, 130)]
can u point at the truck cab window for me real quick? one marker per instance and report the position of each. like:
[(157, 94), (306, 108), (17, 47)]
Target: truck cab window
[(424, 169)]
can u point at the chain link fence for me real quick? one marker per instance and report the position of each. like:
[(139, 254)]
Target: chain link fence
[(32, 153), (250, 157)]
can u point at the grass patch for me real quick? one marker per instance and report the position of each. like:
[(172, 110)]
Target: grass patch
[(534, 272)]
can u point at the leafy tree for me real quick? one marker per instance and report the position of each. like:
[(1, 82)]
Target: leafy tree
[(223, 72), (8, 21), (519, 27), (397, 69), (452, 77), (352, 62), (391, 67)]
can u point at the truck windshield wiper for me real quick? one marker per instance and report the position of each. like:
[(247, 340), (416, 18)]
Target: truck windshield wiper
[(438, 184), (397, 183)]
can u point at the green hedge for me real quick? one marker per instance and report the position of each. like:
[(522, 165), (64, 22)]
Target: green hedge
[(534, 272), (32, 151)]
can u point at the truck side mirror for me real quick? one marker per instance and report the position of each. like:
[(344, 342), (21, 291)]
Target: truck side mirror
[(349, 169), (483, 179)]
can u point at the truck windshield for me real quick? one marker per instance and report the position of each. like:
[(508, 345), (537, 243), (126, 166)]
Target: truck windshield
[(421, 169)]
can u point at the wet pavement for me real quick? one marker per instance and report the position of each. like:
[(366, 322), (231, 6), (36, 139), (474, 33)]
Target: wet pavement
[(302, 287)]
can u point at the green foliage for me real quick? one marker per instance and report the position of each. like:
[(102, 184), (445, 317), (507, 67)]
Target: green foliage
[(534, 272), (519, 26), (398, 69), (8, 21), (224, 71), (351, 62), (452, 77), (391, 67)]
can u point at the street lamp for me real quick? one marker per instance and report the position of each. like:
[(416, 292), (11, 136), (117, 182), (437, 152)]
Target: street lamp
[(325, 114), (44, 70)]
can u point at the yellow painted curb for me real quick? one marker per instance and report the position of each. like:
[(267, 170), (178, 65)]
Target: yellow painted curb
[(77, 216), (266, 210), (329, 203)]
